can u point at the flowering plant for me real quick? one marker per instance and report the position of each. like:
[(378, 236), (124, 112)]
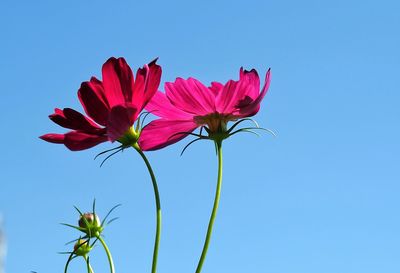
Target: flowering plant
[(114, 113)]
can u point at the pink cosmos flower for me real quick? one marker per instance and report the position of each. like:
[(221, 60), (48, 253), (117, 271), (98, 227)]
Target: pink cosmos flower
[(111, 105), (188, 104)]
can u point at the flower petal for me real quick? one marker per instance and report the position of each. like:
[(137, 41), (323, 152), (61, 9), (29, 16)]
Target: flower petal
[(92, 98), (230, 95), (121, 118), (190, 96), (77, 141), (74, 140), (216, 87), (147, 81), (253, 79), (162, 132), (117, 81), (252, 108), (71, 119), (160, 106), (53, 138)]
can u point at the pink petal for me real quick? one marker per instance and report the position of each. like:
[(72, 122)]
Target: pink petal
[(190, 96), (147, 81), (162, 132), (252, 108), (77, 141), (69, 118), (91, 96), (53, 138), (117, 81), (139, 86), (230, 95), (121, 118), (253, 79), (216, 87), (162, 107)]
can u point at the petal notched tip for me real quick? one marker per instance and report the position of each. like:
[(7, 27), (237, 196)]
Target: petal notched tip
[(113, 60)]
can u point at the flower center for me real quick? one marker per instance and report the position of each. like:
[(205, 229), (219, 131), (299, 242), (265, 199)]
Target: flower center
[(130, 137), (216, 123)]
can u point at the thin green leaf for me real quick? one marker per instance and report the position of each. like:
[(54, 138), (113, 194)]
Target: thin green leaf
[(109, 212), (112, 220), (106, 151), (185, 133), (110, 155), (190, 143), (72, 226)]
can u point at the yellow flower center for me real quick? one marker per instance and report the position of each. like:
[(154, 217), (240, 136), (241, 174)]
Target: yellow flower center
[(130, 137), (216, 124)]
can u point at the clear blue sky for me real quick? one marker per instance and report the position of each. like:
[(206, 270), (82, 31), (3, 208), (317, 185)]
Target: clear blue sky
[(322, 197)]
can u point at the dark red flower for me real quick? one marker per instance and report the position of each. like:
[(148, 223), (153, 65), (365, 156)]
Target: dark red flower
[(112, 106)]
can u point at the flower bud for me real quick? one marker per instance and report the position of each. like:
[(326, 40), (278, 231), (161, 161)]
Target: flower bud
[(90, 224), (82, 247)]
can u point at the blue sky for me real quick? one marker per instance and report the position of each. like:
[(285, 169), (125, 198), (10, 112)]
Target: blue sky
[(321, 197)]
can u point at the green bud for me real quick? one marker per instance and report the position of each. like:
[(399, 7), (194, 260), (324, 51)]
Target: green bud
[(90, 224), (82, 247)]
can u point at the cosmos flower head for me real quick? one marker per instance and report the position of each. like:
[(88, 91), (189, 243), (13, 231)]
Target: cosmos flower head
[(112, 106), (189, 104)]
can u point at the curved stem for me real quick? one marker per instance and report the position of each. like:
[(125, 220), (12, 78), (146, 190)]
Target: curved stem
[(68, 261), (110, 259), (215, 207), (158, 207), (89, 267)]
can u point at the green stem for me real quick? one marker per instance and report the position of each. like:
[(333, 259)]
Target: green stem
[(68, 261), (158, 207), (110, 259), (89, 267), (215, 208)]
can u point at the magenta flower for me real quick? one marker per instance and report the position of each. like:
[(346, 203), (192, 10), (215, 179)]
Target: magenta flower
[(188, 104), (112, 106)]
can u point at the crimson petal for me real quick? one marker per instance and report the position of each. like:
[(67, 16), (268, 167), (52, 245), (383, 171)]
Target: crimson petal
[(147, 81), (121, 118), (53, 138), (77, 141), (71, 119), (92, 98), (117, 81)]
